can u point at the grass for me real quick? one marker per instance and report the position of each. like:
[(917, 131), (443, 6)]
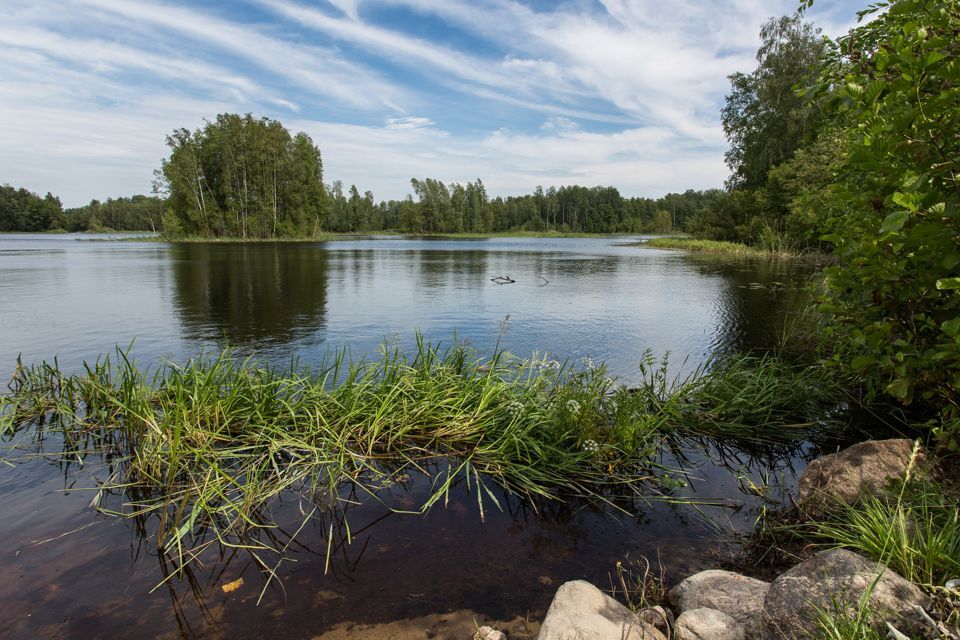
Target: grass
[(718, 246), (917, 536), (202, 449)]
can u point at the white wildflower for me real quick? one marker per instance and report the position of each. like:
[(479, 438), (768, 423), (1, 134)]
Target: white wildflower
[(573, 406), (591, 445)]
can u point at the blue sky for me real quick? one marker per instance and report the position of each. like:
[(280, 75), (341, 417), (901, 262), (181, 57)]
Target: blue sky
[(614, 92)]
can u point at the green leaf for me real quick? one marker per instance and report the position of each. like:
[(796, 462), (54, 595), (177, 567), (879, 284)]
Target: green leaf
[(951, 327), (899, 388), (861, 363), (948, 284), (909, 201), (894, 222), (874, 89)]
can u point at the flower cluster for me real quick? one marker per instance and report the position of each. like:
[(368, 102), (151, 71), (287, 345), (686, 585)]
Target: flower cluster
[(573, 406), (591, 445), (549, 364), (588, 363)]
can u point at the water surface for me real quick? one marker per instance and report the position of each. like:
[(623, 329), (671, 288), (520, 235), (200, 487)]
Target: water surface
[(66, 571)]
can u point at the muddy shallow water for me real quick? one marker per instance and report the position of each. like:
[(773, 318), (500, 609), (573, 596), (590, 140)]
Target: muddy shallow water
[(66, 571)]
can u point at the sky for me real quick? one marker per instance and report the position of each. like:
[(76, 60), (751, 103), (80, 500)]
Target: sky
[(517, 93)]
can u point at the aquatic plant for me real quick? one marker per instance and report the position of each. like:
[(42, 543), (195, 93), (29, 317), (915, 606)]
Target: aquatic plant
[(203, 447)]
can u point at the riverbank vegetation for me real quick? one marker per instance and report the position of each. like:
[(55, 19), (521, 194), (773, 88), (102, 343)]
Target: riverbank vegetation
[(201, 448), (717, 246)]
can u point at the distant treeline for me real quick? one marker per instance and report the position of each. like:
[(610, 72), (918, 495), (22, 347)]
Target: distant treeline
[(23, 210), (465, 208), (247, 177)]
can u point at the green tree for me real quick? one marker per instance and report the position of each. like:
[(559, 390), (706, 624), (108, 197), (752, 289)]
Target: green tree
[(243, 176), (764, 118)]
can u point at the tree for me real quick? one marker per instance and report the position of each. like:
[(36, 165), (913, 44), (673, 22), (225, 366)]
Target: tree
[(243, 176), (764, 118)]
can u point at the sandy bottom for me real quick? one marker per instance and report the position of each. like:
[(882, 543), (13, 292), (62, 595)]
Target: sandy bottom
[(458, 625)]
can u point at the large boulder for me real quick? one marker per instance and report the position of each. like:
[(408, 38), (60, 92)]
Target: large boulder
[(708, 624), (864, 468), (580, 610), (839, 578), (737, 596)]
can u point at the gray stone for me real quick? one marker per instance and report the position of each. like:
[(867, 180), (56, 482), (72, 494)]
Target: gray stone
[(738, 596), (864, 468), (839, 577), (708, 624), (581, 611), (489, 633), (657, 617)]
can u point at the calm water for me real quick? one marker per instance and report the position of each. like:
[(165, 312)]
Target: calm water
[(75, 298), (67, 572)]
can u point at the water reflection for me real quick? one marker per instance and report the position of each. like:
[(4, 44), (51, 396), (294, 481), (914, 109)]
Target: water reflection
[(242, 292), (360, 557), (759, 300)]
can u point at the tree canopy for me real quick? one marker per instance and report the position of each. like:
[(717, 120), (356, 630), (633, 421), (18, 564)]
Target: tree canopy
[(245, 177), (765, 119)]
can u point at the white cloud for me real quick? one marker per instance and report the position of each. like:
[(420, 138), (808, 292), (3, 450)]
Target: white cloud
[(625, 94), (408, 122)]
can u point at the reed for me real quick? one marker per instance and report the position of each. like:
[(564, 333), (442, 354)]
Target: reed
[(203, 447), (721, 246)]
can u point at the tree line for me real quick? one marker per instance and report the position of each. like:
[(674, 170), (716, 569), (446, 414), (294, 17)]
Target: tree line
[(246, 177), (24, 211)]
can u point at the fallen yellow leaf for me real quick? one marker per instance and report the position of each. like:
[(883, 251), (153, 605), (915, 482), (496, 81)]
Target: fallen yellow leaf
[(232, 586)]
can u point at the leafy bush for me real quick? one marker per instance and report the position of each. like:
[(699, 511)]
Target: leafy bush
[(896, 296)]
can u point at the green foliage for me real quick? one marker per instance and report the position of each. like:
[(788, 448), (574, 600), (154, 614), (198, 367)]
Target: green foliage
[(21, 210), (764, 118), (243, 177), (919, 538), (205, 446), (897, 84), (845, 623), (138, 213)]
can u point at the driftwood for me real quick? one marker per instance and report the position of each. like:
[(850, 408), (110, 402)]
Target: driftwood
[(509, 280)]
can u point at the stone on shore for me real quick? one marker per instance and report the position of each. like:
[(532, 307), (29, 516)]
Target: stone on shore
[(839, 577), (708, 624), (489, 633), (737, 596), (580, 610), (862, 469)]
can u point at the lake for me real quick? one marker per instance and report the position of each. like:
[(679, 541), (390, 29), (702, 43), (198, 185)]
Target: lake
[(67, 571)]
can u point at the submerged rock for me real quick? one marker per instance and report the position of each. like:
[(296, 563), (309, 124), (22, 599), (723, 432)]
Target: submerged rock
[(580, 610), (864, 468), (839, 578), (735, 595), (708, 624)]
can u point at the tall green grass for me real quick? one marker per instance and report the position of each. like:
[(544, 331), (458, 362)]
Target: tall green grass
[(767, 250), (205, 446)]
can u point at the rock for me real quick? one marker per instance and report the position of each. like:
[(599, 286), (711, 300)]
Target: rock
[(489, 633), (738, 596), (708, 624), (580, 610), (864, 468), (839, 577), (658, 618)]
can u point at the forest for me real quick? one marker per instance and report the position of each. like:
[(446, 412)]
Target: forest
[(247, 177), (24, 211)]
